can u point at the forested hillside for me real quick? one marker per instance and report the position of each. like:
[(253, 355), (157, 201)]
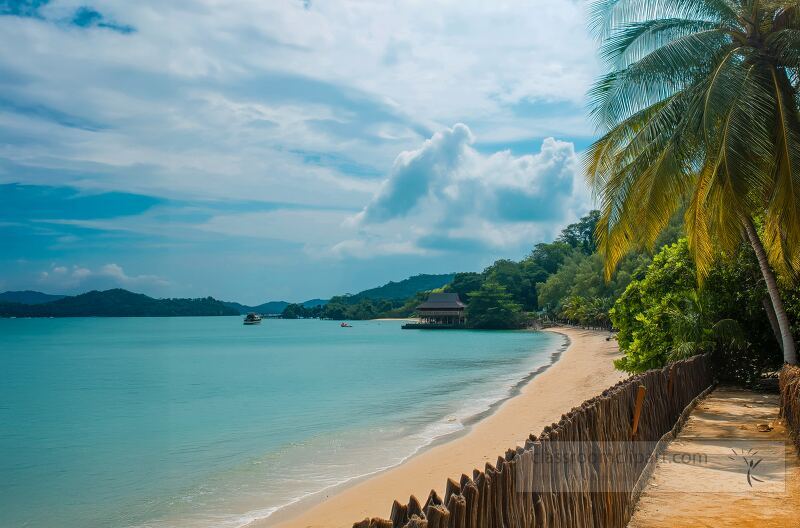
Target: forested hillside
[(117, 303), (560, 279), (384, 301), (28, 297)]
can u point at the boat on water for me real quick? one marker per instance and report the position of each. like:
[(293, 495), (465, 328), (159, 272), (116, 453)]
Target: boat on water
[(346, 325), (252, 319)]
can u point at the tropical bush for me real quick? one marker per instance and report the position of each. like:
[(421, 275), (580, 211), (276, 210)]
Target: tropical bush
[(665, 316)]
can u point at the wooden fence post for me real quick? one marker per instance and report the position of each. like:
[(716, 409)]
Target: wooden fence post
[(671, 380), (637, 411)]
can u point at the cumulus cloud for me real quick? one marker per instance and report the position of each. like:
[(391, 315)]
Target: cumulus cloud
[(447, 195), (418, 173), (75, 277), (450, 175)]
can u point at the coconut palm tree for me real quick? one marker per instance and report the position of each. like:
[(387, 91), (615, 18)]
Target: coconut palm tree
[(700, 109)]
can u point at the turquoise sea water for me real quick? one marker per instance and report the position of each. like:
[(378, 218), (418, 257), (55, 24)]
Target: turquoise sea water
[(202, 422)]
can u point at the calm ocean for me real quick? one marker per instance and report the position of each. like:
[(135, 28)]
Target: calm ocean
[(202, 422)]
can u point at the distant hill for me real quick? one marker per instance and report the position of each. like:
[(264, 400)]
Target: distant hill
[(117, 303), (240, 308), (396, 291), (122, 303), (313, 303), (28, 297), (272, 307)]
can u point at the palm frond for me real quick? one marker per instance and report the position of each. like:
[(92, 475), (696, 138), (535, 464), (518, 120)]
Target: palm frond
[(634, 41), (673, 67), (729, 333), (685, 350), (782, 217), (785, 45), (606, 15)]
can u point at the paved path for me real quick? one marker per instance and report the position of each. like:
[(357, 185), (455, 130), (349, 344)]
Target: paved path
[(713, 491)]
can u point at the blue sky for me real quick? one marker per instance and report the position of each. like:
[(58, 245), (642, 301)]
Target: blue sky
[(284, 149)]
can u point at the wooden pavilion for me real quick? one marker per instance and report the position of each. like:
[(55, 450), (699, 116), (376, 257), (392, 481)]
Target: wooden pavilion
[(441, 310)]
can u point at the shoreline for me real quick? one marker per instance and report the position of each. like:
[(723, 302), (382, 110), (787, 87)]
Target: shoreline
[(485, 436)]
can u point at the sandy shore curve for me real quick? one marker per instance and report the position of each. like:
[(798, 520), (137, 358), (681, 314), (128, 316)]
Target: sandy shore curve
[(584, 370)]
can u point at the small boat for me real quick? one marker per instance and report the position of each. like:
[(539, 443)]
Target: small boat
[(252, 319), (346, 325)]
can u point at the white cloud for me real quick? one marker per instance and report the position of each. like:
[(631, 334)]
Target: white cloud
[(75, 277), (442, 197), (418, 173), (445, 195)]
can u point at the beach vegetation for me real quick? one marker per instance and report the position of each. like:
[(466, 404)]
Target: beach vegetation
[(465, 284), (665, 315), (492, 307)]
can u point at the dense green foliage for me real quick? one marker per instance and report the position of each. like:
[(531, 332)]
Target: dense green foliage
[(364, 309), (492, 307), (644, 313), (272, 307), (118, 303), (522, 279), (577, 292), (573, 249), (562, 279), (465, 283), (580, 235), (344, 307), (665, 316), (267, 308)]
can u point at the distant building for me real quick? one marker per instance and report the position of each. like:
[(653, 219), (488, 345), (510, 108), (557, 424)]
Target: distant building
[(442, 310)]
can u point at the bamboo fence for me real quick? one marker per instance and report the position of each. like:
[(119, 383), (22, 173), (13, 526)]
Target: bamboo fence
[(790, 400), (521, 491)]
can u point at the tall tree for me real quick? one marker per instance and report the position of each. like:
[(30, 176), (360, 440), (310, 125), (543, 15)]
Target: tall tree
[(700, 107), (493, 307), (581, 233)]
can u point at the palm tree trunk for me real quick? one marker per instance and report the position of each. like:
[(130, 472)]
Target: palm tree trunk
[(789, 349), (773, 321)]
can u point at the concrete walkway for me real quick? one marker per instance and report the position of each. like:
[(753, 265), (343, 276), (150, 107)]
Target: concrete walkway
[(702, 479)]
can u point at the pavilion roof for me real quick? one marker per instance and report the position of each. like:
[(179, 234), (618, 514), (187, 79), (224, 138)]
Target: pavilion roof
[(442, 301)]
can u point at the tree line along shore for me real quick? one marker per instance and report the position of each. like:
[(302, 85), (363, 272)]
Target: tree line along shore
[(653, 300)]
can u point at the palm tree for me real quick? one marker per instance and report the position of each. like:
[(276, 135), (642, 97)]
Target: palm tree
[(700, 109), (694, 332)]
